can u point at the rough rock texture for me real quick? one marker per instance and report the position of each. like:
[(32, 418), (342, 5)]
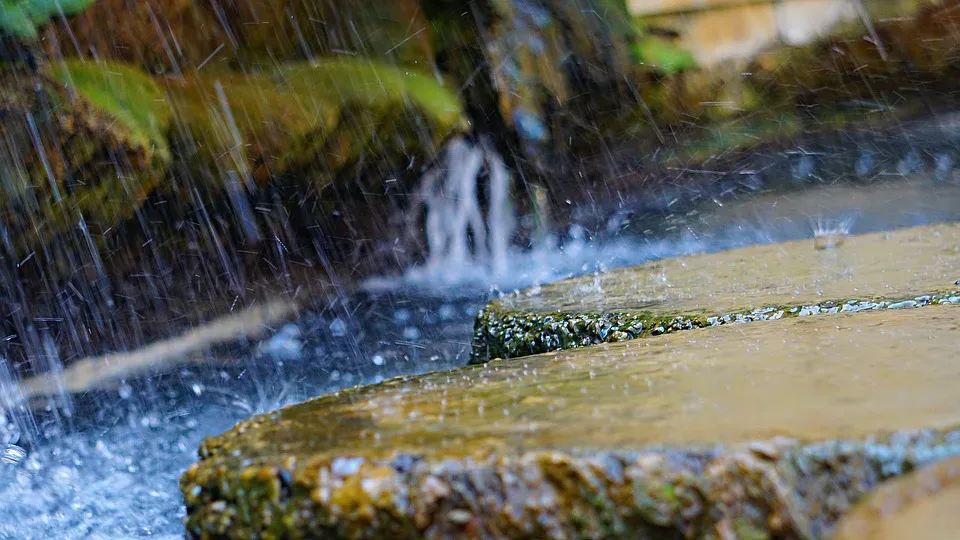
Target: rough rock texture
[(922, 504), (903, 268), (711, 433)]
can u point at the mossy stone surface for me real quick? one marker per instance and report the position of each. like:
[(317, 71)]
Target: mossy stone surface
[(770, 429), (902, 268), (311, 120), (125, 93)]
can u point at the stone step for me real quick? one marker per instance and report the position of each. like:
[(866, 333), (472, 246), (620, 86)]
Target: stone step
[(899, 269), (735, 431)]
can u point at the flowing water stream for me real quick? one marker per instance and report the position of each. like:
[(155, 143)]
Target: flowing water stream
[(107, 466)]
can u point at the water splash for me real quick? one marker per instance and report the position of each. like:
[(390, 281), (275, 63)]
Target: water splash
[(458, 232), (831, 233)]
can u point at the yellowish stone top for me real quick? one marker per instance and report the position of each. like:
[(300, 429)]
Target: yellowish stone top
[(894, 265), (811, 378)]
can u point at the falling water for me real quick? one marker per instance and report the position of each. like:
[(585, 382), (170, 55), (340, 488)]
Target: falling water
[(458, 232)]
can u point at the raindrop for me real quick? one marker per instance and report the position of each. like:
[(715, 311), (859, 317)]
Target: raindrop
[(446, 312), (909, 164), (401, 316), (284, 345), (338, 328), (865, 164), (378, 360), (803, 168), (943, 166), (13, 454)]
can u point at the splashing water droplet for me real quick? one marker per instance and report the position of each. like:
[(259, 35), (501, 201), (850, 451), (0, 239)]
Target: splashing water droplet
[(338, 328), (13, 454)]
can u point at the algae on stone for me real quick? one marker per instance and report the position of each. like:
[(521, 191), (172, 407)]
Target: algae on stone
[(773, 429), (86, 143), (124, 92), (319, 116), (871, 271)]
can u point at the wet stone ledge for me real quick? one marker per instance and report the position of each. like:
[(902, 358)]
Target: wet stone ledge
[(922, 504), (905, 268), (767, 430)]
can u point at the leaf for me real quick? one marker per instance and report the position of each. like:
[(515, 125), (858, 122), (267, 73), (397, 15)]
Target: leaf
[(125, 93), (663, 55)]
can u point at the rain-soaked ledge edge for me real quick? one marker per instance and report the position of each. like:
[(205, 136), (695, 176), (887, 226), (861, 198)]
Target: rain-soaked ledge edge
[(780, 488), (501, 333)]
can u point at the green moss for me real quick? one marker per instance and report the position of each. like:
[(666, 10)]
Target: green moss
[(15, 20), (316, 121), (125, 93), (375, 86), (663, 55), (313, 119)]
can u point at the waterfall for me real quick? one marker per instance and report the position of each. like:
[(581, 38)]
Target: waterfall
[(460, 231), (501, 219)]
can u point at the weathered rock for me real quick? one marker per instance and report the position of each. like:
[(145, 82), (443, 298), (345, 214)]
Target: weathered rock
[(922, 504), (867, 272), (748, 431)]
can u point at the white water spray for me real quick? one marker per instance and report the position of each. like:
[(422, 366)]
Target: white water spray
[(457, 230)]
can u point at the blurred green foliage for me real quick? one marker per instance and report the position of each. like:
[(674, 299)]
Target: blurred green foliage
[(662, 55), (124, 92), (21, 18)]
